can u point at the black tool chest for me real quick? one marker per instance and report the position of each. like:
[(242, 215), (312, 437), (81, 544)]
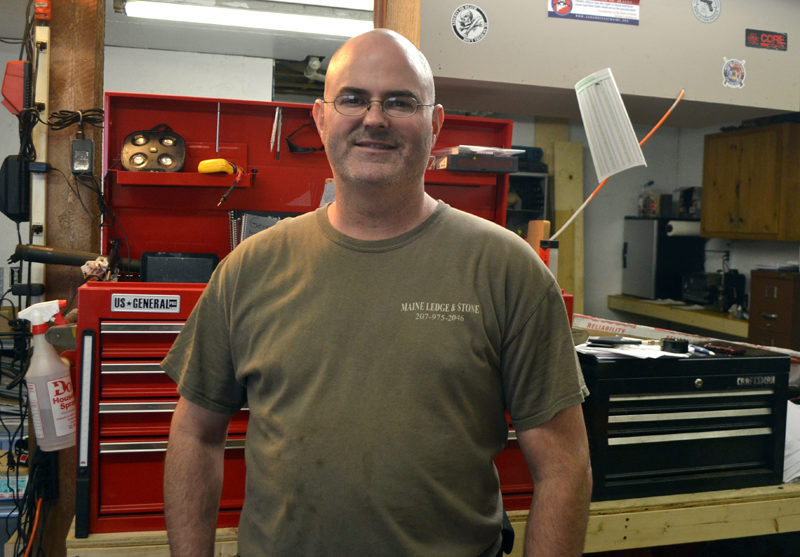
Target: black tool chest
[(675, 425)]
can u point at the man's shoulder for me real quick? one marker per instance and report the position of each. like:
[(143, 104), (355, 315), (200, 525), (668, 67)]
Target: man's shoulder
[(473, 226)]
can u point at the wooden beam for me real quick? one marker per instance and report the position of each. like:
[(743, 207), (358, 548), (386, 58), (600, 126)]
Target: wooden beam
[(76, 83), (402, 16), (568, 188)]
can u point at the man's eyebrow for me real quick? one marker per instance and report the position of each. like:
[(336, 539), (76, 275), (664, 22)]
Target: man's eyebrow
[(364, 92)]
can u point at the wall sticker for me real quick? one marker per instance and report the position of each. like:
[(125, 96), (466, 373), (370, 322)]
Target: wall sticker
[(733, 73), (606, 11), (470, 23), (706, 11)]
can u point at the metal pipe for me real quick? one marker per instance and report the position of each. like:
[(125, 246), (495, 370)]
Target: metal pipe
[(60, 256)]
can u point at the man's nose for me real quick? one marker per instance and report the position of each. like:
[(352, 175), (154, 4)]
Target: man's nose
[(375, 116)]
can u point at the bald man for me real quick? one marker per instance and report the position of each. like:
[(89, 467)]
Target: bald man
[(378, 343)]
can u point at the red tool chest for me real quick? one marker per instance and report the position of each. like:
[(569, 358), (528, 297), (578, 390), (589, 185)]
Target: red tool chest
[(125, 328)]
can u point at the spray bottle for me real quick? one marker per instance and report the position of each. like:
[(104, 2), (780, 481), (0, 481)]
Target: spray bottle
[(50, 393)]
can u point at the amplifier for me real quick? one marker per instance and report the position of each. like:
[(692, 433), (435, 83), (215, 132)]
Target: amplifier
[(679, 425)]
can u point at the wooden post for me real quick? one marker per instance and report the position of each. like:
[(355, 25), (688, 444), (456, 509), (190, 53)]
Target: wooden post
[(402, 16), (76, 83)]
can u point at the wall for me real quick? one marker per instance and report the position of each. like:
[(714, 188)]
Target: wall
[(526, 58), (9, 145), (134, 70)]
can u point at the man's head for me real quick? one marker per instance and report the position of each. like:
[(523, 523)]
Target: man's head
[(376, 147)]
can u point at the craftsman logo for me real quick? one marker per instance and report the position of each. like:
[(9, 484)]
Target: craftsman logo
[(561, 7), (469, 23), (755, 380), (733, 73), (146, 303), (766, 39)]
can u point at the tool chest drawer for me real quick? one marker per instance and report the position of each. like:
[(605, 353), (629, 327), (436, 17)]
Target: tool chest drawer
[(774, 309), (131, 472)]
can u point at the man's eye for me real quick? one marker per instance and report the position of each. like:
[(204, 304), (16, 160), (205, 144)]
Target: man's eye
[(403, 103), (351, 100)]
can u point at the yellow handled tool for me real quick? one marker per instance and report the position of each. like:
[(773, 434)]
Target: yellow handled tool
[(210, 166)]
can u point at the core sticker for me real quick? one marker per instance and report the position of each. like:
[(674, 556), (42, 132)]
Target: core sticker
[(706, 11), (733, 73), (470, 23), (771, 40)]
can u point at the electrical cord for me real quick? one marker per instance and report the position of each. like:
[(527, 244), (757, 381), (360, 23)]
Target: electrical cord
[(66, 118), (603, 183)]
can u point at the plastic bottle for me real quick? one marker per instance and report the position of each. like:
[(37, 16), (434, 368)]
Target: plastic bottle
[(50, 393)]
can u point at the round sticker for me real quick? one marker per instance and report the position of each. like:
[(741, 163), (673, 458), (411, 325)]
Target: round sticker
[(733, 73), (561, 7), (706, 11), (469, 23)]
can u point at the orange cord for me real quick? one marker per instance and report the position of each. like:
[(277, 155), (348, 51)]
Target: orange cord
[(35, 526), (603, 183)]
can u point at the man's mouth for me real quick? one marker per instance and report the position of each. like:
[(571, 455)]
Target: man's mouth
[(375, 145)]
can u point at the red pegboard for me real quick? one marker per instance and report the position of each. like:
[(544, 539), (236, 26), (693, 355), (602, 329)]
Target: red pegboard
[(179, 212)]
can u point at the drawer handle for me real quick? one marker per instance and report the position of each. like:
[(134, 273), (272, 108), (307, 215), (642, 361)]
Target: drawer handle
[(153, 446), (772, 316)]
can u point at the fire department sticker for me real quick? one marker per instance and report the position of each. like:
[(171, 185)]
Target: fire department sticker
[(733, 73), (469, 23), (706, 11)]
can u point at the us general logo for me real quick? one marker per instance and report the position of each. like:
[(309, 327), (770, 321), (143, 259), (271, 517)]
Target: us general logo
[(733, 73), (469, 23), (706, 11), (561, 7)]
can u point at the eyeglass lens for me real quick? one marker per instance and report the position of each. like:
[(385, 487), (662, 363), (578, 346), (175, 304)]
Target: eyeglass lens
[(355, 105)]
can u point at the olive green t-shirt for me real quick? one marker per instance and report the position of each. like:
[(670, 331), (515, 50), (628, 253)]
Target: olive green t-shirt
[(378, 374)]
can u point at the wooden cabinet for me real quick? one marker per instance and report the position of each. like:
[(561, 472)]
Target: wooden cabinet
[(775, 309), (751, 183)]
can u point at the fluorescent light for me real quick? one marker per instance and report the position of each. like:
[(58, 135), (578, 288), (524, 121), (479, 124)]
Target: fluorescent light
[(254, 19), (365, 5)]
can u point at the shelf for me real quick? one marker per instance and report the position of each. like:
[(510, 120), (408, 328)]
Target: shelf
[(179, 179), (700, 319), (613, 525)]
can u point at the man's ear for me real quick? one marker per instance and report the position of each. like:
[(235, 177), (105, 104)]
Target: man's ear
[(437, 119), (318, 113)]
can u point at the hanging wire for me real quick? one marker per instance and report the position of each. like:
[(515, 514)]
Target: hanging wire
[(603, 183)]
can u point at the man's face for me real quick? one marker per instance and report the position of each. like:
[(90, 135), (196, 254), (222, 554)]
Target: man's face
[(374, 148)]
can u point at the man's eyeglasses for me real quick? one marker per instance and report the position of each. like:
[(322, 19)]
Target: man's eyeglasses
[(403, 106)]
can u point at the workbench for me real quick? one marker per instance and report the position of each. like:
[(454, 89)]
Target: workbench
[(613, 525), (676, 312)]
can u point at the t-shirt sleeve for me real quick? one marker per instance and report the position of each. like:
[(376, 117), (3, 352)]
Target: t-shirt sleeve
[(200, 359), (541, 372)]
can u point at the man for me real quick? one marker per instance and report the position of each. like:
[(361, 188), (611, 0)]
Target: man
[(378, 343)]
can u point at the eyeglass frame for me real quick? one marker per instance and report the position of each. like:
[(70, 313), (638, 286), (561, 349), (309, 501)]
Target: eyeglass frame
[(380, 102)]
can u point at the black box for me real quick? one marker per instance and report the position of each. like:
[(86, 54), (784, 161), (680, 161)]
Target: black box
[(163, 266), (681, 425)]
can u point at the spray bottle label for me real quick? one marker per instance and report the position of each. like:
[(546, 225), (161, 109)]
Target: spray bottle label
[(62, 402), (36, 416)]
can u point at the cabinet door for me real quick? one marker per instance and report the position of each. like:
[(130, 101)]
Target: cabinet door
[(721, 163), (758, 189)]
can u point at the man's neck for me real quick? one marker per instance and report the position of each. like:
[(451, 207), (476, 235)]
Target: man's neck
[(379, 219)]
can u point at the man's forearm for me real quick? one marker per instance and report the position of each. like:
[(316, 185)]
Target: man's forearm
[(558, 517), (193, 474)]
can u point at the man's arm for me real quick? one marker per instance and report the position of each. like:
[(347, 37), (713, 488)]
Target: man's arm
[(193, 478), (557, 454)]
